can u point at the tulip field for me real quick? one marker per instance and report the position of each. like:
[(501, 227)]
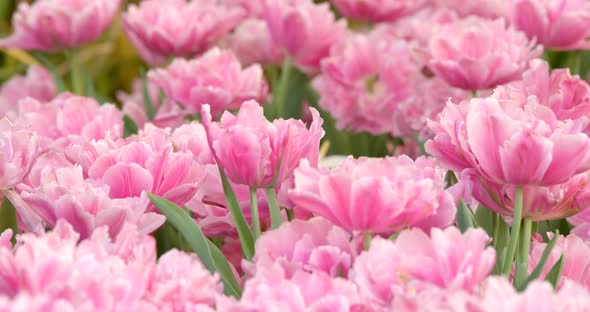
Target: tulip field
[(294, 155)]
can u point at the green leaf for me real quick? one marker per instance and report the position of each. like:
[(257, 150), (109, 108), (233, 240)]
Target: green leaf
[(485, 219), (555, 273), (465, 217), (244, 232), (210, 255), (147, 99), (542, 261), (450, 179), (59, 82), (130, 128), (8, 218)]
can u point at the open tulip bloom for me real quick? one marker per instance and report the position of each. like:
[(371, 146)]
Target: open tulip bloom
[(295, 155)]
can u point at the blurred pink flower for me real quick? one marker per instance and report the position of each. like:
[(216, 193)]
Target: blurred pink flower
[(85, 204), (483, 8), (69, 118), (377, 10), (558, 25), (54, 25), (250, 33), (215, 78), (18, 152), (510, 142), (540, 202), (145, 163), (360, 84), (161, 29), (305, 30), (168, 113), (37, 84), (252, 150), (376, 195), (313, 246), (273, 290), (476, 53)]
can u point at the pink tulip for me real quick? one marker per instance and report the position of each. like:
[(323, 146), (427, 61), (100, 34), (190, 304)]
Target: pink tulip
[(85, 204), (167, 112), (510, 142), (18, 152), (54, 25), (160, 29), (313, 246), (476, 53), (361, 84), (69, 118), (305, 30), (215, 78), (377, 10), (37, 84), (376, 195), (483, 8), (272, 289), (250, 33), (192, 137), (559, 25), (252, 151)]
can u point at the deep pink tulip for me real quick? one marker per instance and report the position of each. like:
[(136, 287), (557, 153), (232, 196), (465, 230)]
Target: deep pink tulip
[(37, 84), (510, 142), (252, 150), (361, 84), (559, 25), (305, 30), (53, 25), (18, 152), (161, 29), (476, 53), (376, 195), (377, 10), (215, 78), (70, 118)]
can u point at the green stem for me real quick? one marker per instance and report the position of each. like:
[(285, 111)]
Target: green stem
[(8, 219), (76, 72), (367, 240), (522, 258), (275, 210), (290, 214), (254, 213), (514, 233), (280, 98)]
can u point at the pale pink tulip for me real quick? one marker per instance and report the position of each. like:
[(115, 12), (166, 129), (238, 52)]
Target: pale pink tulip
[(69, 118), (559, 25), (54, 25), (483, 8), (250, 33), (18, 152), (360, 84), (377, 10), (215, 78), (168, 113), (376, 195), (37, 84), (313, 246), (192, 137), (540, 202), (85, 204), (475, 53), (305, 30), (510, 142), (161, 29), (252, 150), (271, 290)]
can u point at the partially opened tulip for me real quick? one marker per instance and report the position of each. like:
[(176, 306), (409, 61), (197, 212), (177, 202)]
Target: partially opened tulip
[(483, 8), (250, 33), (558, 25), (476, 53), (161, 29), (377, 10), (53, 25), (18, 152), (215, 78), (378, 196), (37, 84)]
